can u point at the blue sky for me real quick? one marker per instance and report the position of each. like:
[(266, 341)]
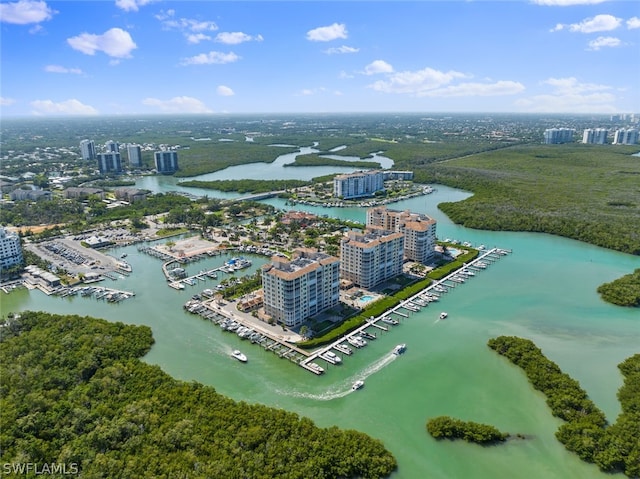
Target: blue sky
[(133, 57)]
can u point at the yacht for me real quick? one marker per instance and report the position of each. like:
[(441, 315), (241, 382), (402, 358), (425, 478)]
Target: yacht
[(314, 366), (357, 385), (443, 315), (399, 349), (331, 357), (343, 348), (239, 356), (356, 341)]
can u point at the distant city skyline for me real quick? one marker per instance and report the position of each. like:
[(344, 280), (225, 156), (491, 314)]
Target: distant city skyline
[(142, 57)]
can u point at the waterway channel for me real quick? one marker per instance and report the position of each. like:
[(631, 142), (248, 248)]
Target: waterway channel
[(545, 290)]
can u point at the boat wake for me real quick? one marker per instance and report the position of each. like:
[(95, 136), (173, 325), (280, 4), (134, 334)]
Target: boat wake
[(343, 388)]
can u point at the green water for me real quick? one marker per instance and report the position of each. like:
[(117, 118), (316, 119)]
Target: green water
[(544, 291)]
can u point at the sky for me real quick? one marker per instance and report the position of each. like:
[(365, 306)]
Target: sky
[(139, 57)]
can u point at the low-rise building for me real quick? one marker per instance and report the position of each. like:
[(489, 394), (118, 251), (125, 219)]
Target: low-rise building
[(131, 195), (83, 193), (30, 195)]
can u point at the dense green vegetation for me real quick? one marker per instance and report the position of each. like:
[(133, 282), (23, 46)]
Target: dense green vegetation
[(316, 160), (579, 191), (74, 391), (246, 186), (623, 291), (445, 427), (613, 448)]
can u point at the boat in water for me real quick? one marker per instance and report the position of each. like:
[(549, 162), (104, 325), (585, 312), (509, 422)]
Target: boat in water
[(239, 356), (443, 315), (331, 357), (399, 349), (357, 385)]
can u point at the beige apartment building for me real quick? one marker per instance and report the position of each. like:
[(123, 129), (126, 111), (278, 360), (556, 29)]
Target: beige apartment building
[(371, 257), (304, 286), (419, 231)]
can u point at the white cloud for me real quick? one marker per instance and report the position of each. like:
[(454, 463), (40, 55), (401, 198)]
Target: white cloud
[(211, 58), (499, 88), (61, 69), (342, 49), (377, 66), (68, 107), (416, 82), (233, 38), (178, 104), (223, 90), (4, 101), (168, 20), (311, 91), (196, 38), (115, 42), (326, 34), (569, 95), (132, 5), (25, 11), (599, 23), (567, 3), (633, 22), (601, 42)]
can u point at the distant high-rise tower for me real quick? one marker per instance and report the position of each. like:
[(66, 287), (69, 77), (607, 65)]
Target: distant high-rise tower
[(166, 161), (626, 137), (596, 136), (112, 146), (109, 163), (555, 136), (88, 150), (134, 152)]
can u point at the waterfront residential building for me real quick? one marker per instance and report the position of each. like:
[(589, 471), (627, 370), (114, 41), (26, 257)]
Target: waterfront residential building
[(358, 184), (397, 175), (371, 257), (134, 152), (297, 289), (112, 146), (597, 136), (83, 193), (88, 150), (419, 231), (10, 249), (109, 163), (626, 137), (132, 195), (556, 136), (166, 161), (31, 195)]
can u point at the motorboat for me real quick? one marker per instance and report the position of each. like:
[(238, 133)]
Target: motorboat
[(443, 315), (331, 357), (343, 348), (399, 349), (357, 385), (239, 356), (316, 367)]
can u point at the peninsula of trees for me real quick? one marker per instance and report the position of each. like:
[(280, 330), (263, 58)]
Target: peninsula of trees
[(75, 392), (623, 291)]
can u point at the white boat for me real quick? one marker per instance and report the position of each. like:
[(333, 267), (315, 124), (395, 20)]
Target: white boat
[(356, 341), (343, 348), (331, 357), (239, 356), (443, 315), (357, 385), (319, 369), (399, 349)]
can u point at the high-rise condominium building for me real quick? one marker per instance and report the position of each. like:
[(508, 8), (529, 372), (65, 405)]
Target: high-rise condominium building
[(112, 146), (359, 184), (304, 286), (10, 249), (88, 150), (419, 231), (554, 136), (597, 136), (166, 161), (109, 163), (368, 258), (134, 152), (626, 137)]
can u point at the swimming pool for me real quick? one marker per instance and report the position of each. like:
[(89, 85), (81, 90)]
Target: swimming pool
[(365, 298)]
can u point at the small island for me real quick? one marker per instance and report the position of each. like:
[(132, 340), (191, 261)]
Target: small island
[(445, 427), (623, 291)]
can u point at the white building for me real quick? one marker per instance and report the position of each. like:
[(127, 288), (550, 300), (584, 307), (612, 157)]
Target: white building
[(597, 136), (88, 150), (134, 152), (109, 163), (10, 249), (419, 231), (555, 136), (112, 146), (304, 286), (371, 257), (626, 137), (359, 184)]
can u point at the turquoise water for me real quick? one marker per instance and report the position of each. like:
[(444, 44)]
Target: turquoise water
[(365, 298), (545, 290)]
